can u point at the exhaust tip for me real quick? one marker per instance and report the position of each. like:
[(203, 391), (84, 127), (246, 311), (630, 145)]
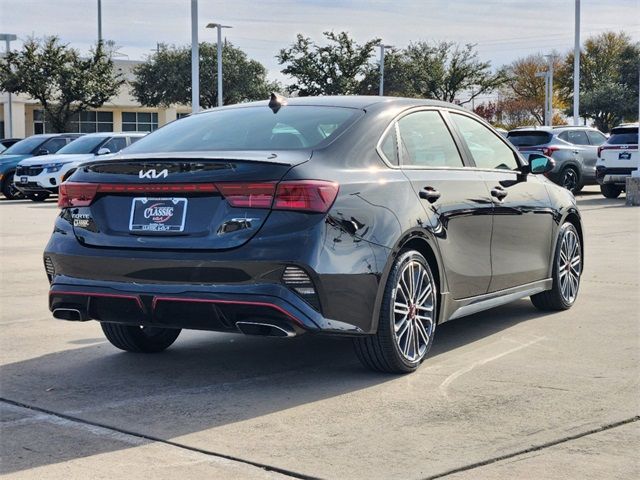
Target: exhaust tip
[(264, 329), (72, 314)]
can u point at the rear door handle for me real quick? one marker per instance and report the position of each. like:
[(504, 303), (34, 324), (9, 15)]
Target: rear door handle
[(498, 192), (430, 194)]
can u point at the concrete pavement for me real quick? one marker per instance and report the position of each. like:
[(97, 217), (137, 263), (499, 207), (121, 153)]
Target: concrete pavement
[(508, 393)]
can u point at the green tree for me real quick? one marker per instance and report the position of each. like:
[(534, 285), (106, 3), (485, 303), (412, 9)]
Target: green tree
[(442, 71), (60, 79), (609, 65), (165, 78), (336, 68)]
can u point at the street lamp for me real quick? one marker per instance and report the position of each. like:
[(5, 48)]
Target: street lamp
[(382, 47), (8, 38), (550, 58), (219, 27), (545, 75)]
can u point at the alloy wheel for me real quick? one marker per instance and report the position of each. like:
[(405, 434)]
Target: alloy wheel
[(413, 311), (569, 266)]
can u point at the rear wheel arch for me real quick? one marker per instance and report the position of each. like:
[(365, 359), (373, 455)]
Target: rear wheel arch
[(425, 245)]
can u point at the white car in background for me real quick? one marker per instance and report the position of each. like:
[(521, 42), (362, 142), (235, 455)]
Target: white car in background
[(39, 177), (618, 157)]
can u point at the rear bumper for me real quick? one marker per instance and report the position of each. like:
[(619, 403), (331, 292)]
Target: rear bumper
[(188, 306), (613, 176)]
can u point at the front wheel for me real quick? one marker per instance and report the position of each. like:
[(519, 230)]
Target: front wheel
[(9, 190), (407, 318), (139, 339), (567, 268), (610, 191)]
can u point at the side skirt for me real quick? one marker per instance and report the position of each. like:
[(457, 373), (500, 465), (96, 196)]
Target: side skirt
[(469, 306)]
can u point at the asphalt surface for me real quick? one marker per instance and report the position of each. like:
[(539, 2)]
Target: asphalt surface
[(507, 393)]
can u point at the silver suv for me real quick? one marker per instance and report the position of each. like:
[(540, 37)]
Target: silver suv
[(574, 149)]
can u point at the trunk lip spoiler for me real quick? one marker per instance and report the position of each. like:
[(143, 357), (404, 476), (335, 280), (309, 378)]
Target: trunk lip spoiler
[(282, 157)]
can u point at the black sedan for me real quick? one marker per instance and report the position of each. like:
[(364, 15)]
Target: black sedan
[(377, 218)]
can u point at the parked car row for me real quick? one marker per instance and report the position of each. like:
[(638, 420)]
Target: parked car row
[(584, 155), (34, 167)]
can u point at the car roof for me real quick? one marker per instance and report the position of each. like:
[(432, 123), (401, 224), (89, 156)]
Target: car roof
[(347, 101), (544, 128), (115, 134)]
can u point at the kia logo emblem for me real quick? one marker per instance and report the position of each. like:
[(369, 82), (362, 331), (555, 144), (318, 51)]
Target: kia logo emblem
[(153, 173)]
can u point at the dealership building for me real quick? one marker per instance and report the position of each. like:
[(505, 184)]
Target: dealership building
[(121, 114)]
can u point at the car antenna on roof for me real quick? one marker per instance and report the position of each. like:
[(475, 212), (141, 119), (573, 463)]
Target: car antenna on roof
[(276, 102)]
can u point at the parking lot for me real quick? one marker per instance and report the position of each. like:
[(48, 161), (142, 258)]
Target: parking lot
[(507, 393)]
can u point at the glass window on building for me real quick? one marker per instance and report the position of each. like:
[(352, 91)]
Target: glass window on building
[(91, 122), (139, 121), (39, 124)]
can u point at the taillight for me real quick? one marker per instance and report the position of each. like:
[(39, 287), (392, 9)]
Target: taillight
[(599, 151), (548, 151), (73, 194), (299, 195), (76, 194), (305, 195), (248, 195)]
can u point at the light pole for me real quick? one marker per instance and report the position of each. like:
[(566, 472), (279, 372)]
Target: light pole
[(99, 22), (576, 69), (195, 59), (8, 38), (551, 58), (219, 27), (382, 47), (545, 75)]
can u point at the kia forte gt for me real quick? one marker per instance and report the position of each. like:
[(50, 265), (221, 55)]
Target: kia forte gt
[(376, 218)]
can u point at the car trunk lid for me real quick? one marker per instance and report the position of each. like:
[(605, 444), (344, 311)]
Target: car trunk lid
[(191, 202)]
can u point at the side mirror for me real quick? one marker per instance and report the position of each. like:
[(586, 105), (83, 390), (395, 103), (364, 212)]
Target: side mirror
[(42, 151), (104, 151), (539, 163)]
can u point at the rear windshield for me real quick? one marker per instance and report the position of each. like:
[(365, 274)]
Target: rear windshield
[(528, 138), (623, 136), (250, 128)]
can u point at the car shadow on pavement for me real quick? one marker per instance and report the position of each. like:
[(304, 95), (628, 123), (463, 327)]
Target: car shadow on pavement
[(204, 381)]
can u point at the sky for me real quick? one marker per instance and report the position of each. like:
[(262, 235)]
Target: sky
[(502, 29)]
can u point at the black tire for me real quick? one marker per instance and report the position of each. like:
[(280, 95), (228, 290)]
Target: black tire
[(381, 352), (38, 197), (610, 191), (554, 299), (8, 188), (570, 179), (139, 339)]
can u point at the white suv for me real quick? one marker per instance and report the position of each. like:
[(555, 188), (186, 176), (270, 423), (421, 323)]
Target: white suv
[(39, 177), (618, 157)]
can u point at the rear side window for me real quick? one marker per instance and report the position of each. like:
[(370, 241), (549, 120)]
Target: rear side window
[(55, 144), (623, 136), (487, 148), (596, 138), (577, 137), (293, 127), (389, 146), (426, 141), (527, 138)]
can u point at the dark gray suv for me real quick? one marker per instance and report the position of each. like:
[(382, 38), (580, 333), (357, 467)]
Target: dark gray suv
[(574, 149)]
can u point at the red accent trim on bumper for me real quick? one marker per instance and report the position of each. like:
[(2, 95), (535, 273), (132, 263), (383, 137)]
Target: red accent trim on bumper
[(180, 299)]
